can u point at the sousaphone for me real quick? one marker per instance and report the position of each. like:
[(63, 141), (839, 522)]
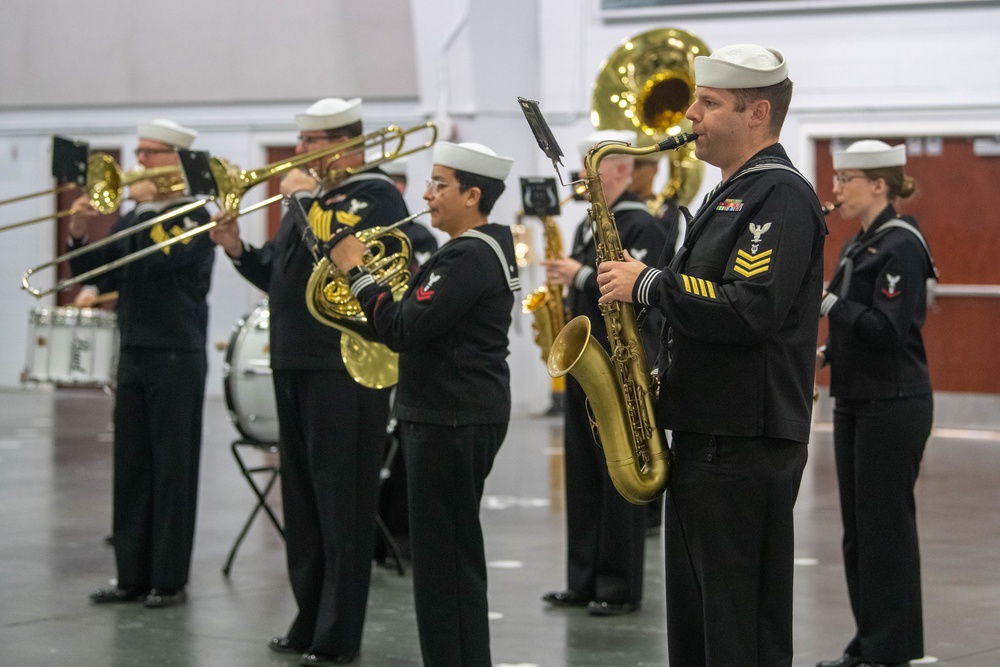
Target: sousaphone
[(646, 86)]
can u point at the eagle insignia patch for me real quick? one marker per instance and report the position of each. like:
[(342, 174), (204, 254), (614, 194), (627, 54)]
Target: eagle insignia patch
[(426, 291), (891, 291)]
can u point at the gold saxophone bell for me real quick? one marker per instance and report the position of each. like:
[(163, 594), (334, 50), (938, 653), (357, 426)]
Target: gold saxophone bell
[(329, 299), (618, 386), (646, 85)]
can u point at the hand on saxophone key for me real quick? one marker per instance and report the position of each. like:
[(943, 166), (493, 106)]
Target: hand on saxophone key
[(616, 279), (560, 270)]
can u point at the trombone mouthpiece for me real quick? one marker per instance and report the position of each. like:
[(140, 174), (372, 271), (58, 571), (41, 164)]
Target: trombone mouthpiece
[(670, 143), (830, 206)]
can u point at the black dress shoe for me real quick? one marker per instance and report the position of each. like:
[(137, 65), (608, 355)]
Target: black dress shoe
[(161, 599), (600, 608), (565, 599), (285, 645), (313, 658), (115, 594), (846, 660)]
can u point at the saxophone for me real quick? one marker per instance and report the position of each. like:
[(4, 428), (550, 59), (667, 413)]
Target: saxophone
[(618, 387), (546, 302)]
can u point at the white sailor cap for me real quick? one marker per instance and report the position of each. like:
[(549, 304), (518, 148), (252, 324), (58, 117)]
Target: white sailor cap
[(594, 138), (473, 158), (869, 154), (167, 132), (741, 66), (395, 167), (329, 113)]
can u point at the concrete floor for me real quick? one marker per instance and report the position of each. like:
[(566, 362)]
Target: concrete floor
[(55, 449)]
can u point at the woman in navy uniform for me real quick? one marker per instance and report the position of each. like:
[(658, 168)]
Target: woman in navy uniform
[(331, 429), (605, 534), (876, 305), (741, 304), (159, 398), (453, 397)]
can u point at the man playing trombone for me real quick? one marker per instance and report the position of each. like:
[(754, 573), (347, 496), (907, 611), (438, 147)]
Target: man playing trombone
[(331, 429), (162, 319)]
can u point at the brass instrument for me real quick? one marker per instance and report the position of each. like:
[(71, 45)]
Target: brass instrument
[(646, 86), (546, 302), (232, 184), (329, 299), (619, 388), (104, 187), (830, 206)]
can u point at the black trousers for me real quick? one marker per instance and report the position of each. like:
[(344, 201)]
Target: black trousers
[(159, 403), (446, 468), (879, 445), (729, 545), (605, 534), (331, 433)]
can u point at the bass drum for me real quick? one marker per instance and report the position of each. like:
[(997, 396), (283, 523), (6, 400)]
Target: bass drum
[(72, 346), (246, 377)]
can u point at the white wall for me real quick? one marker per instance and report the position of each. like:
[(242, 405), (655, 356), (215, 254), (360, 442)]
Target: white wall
[(930, 70)]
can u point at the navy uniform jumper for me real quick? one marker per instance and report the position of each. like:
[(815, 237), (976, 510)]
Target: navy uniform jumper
[(453, 405), (160, 391), (882, 419), (605, 534), (737, 362), (331, 429)]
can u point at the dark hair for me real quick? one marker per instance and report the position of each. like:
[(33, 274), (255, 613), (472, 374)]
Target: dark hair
[(900, 185), (779, 95), (346, 131), (490, 189)]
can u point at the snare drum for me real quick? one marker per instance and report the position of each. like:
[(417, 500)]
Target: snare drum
[(246, 378), (74, 346)]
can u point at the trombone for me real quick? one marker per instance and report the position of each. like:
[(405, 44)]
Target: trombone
[(232, 184), (104, 185)]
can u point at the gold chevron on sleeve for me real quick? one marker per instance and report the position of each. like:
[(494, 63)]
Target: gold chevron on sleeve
[(750, 265), (699, 286)]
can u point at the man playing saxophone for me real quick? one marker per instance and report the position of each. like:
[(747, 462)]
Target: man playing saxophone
[(605, 534), (741, 306)]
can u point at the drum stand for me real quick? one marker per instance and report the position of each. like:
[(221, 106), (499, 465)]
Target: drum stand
[(269, 473)]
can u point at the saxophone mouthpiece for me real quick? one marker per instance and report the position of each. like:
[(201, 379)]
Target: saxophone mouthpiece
[(670, 143), (830, 206)]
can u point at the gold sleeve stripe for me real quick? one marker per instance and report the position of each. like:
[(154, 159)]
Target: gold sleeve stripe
[(754, 258), (699, 286), (320, 221), (750, 266), (750, 274)]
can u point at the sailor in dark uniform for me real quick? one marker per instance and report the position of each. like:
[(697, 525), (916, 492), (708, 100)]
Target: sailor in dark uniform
[(876, 304), (331, 429), (453, 397), (159, 396), (741, 303), (605, 534), (392, 507)]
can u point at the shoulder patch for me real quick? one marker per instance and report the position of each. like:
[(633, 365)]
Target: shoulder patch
[(429, 287), (756, 261), (892, 290)]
